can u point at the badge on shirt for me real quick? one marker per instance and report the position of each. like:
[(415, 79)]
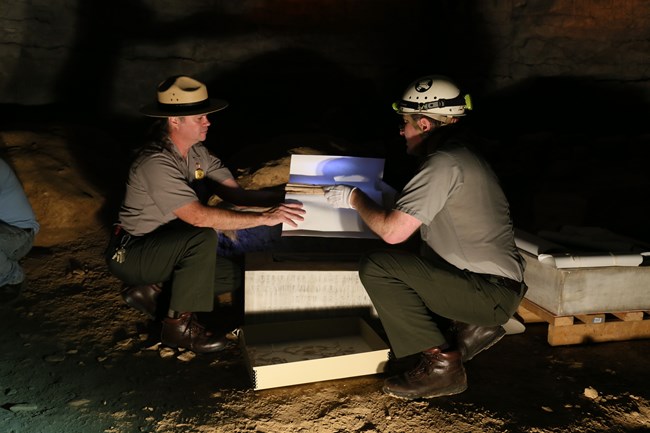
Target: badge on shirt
[(198, 172)]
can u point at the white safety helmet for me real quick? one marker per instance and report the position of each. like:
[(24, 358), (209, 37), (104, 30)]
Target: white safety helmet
[(434, 96)]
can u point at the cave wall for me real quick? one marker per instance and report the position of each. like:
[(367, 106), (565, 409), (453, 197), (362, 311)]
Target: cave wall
[(561, 84), (105, 56)]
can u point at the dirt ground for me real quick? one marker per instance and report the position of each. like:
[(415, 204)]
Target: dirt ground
[(75, 358)]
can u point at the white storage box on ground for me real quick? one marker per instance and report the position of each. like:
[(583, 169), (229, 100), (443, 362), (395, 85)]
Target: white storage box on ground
[(290, 353), (565, 284), (574, 291), (299, 284)]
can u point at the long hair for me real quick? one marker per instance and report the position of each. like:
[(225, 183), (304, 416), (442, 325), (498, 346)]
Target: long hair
[(159, 132), (156, 138)]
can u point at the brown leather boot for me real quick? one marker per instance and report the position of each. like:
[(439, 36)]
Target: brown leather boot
[(187, 333), (438, 373), (473, 339), (143, 298)]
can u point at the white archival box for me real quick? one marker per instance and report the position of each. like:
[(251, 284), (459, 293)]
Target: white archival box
[(277, 283), (292, 353), (565, 283), (323, 220)]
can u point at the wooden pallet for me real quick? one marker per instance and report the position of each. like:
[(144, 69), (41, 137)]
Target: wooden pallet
[(588, 328)]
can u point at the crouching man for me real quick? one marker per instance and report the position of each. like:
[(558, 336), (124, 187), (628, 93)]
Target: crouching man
[(167, 234), (447, 302)]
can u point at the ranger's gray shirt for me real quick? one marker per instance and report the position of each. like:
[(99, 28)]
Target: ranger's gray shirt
[(161, 181), (464, 213)]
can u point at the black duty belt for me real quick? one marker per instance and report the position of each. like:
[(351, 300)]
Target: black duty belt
[(509, 284)]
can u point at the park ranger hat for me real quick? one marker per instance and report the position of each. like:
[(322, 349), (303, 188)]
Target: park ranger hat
[(182, 96)]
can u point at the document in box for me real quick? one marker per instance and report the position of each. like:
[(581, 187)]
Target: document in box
[(307, 173)]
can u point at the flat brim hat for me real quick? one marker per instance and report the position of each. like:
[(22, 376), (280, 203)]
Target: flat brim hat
[(182, 96)]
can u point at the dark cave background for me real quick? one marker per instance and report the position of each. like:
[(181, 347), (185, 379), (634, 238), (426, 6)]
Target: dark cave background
[(560, 88)]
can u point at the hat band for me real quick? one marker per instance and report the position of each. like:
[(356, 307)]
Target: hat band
[(185, 107)]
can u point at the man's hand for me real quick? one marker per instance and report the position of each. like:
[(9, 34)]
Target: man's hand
[(288, 212), (339, 195)]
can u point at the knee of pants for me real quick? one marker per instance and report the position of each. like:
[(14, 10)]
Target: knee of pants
[(206, 237), (369, 265)]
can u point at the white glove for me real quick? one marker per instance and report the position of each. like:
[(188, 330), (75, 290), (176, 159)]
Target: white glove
[(339, 195)]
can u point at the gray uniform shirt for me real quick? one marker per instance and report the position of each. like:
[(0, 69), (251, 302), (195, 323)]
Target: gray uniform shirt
[(161, 180), (464, 213)]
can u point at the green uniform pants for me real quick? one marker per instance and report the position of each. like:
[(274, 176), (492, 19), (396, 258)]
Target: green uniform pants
[(183, 255), (416, 297)]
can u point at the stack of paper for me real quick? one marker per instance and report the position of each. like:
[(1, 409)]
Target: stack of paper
[(308, 172)]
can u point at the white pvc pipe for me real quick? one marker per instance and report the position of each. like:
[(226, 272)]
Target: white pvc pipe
[(595, 261)]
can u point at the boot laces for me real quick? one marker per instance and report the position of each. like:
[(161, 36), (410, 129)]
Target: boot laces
[(424, 366), (194, 328)]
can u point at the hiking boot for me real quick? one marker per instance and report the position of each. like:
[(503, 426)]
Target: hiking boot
[(395, 366), (185, 332), (473, 339), (143, 298), (438, 373)]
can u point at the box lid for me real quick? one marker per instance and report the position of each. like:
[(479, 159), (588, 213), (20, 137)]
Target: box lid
[(292, 353)]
